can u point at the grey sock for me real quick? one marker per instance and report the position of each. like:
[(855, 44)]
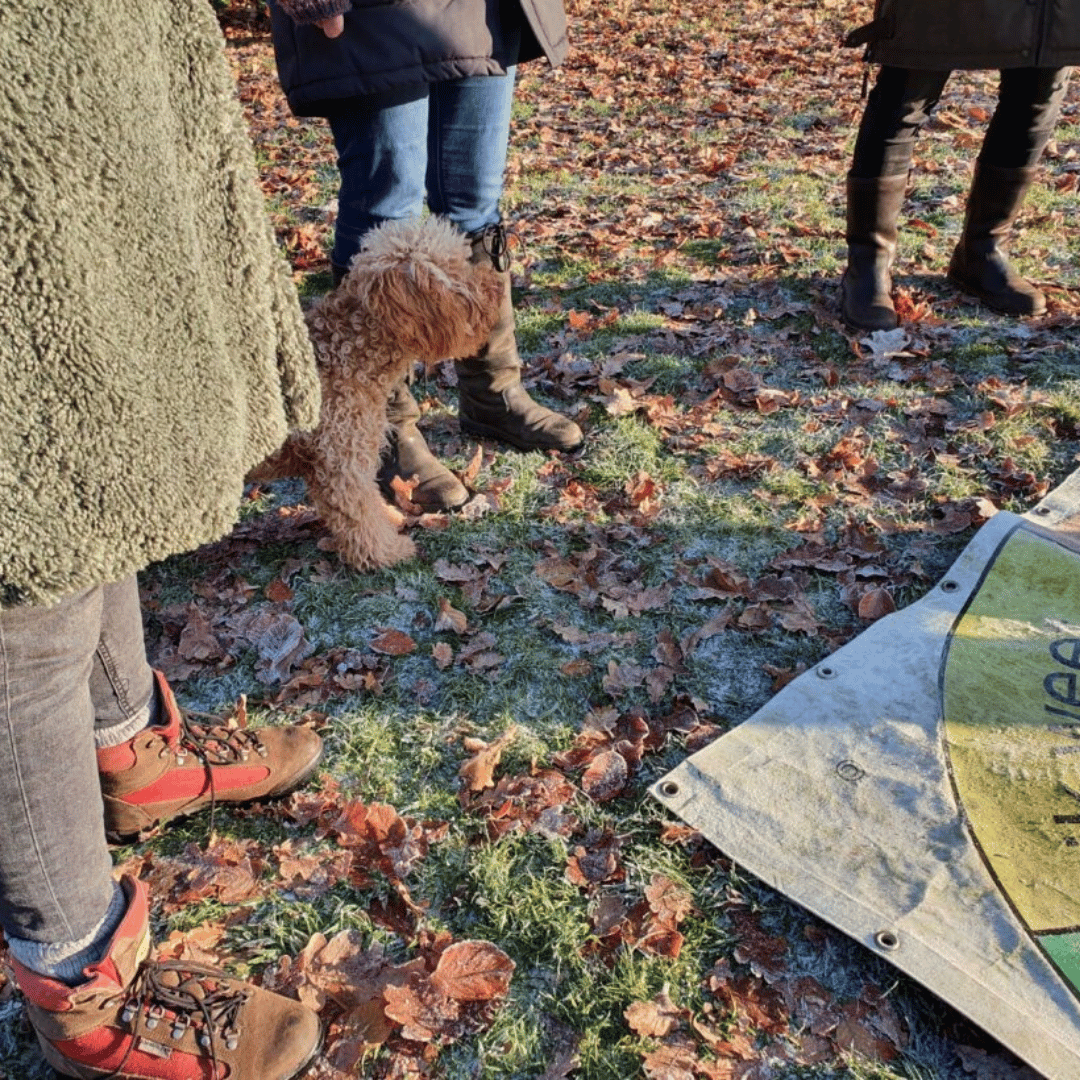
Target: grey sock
[(65, 960), (116, 734)]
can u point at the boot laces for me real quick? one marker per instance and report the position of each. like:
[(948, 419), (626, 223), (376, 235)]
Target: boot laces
[(496, 241), (215, 742), (176, 996)]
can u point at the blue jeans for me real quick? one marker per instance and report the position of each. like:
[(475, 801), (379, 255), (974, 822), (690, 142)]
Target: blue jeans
[(446, 141), (64, 670)]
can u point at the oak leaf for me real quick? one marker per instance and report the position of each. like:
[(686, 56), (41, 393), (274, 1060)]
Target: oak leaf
[(596, 860), (479, 771), (606, 776), (654, 1019), (670, 902), (473, 971), (197, 639), (672, 1061)]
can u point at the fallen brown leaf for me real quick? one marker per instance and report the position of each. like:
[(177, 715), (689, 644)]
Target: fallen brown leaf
[(473, 971), (875, 604), (606, 776), (449, 618), (656, 1018), (478, 772), (393, 643)]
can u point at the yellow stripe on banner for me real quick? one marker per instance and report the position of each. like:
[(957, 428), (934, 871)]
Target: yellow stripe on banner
[(1011, 702)]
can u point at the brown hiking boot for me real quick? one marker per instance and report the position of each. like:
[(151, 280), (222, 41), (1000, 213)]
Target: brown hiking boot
[(493, 403), (181, 765), (140, 1019)]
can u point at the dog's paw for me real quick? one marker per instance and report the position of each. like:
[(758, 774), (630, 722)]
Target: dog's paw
[(370, 552), (400, 550), (396, 516)]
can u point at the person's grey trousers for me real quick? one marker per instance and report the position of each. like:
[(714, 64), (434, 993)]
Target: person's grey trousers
[(64, 670)]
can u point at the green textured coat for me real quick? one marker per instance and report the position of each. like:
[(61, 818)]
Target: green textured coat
[(151, 345)]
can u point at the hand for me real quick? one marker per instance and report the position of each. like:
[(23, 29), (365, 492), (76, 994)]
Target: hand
[(332, 27)]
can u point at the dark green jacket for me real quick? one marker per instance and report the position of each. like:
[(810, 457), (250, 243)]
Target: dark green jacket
[(152, 348), (949, 34), (387, 45)]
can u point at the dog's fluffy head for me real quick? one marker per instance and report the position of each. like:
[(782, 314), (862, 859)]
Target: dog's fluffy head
[(414, 290)]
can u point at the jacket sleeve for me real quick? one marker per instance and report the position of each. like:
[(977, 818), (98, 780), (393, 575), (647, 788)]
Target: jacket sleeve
[(313, 11)]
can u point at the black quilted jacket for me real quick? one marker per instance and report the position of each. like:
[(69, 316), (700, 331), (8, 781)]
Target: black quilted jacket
[(951, 34), (387, 45)]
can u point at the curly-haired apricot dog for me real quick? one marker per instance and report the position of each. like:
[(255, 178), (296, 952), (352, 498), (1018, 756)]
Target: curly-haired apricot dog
[(412, 293)]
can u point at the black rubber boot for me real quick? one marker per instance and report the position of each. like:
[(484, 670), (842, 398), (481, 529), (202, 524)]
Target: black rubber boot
[(493, 403), (979, 264), (873, 208)]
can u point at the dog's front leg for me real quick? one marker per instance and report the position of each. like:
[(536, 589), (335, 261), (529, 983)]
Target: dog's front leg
[(347, 445)]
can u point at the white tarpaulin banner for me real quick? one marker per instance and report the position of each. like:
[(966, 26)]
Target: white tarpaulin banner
[(920, 788)]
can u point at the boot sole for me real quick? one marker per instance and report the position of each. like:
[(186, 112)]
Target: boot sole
[(482, 431), (125, 839), (987, 301), (386, 489), (885, 323), (867, 328)]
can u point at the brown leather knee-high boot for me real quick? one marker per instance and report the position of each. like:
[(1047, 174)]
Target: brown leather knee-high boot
[(979, 264), (407, 455), (873, 208), (493, 402)]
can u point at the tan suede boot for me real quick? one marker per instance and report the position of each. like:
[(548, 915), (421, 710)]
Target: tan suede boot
[(140, 1019), (493, 403), (180, 766)]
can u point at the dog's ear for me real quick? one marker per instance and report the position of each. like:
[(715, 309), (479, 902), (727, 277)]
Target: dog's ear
[(435, 312)]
